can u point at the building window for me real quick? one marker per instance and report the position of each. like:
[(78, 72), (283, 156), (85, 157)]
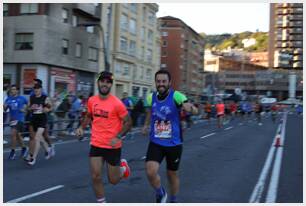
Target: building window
[(65, 45), (164, 33), (134, 70), (90, 29), (133, 7), (78, 50), (163, 65), (28, 8), (65, 15), (118, 68), (126, 70), (142, 33), (5, 9), (165, 43), (123, 44), (144, 14), (150, 36), (132, 48), (24, 41), (74, 21), (149, 74), (123, 22), (93, 54), (164, 53), (142, 53), (133, 26), (151, 17), (149, 55)]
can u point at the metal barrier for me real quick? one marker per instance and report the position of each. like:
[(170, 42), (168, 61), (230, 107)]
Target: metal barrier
[(53, 130)]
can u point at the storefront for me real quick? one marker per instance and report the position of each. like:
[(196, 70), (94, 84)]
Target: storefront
[(62, 82)]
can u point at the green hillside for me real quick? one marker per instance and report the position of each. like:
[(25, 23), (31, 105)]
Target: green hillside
[(223, 41)]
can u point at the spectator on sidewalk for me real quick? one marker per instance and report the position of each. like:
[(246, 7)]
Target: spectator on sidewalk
[(74, 112), (61, 112)]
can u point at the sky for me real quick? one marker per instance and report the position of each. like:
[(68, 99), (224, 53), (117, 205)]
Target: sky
[(219, 18)]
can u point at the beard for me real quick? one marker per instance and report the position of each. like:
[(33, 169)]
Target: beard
[(162, 90), (103, 91)]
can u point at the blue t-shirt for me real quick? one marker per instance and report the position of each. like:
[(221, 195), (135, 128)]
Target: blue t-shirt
[(165, 121), (16, 104)]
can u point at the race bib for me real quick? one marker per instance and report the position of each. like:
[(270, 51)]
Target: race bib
[(13, 123), (163, 129)]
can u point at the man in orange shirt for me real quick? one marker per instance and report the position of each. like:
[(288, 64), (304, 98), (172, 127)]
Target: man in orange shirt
[(220, 113), (110, 122)]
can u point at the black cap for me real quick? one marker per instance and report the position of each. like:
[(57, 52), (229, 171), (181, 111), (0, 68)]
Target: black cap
[(37, 86), (38, 81), (106, 75)]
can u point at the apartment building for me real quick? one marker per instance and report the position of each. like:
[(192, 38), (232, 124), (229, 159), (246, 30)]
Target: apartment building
[(44, 41), (182, 53), (286, 36), (133, 44)]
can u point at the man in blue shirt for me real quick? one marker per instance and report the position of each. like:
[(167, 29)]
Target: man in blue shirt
[(166, 140), (17, 105)]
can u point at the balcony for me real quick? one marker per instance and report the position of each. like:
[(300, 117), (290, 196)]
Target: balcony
[(297, 17), (89, 10), (298, 58), (296, 24), (296, 31), (298, 10), (297, 64), (298, 51), (296, 38)]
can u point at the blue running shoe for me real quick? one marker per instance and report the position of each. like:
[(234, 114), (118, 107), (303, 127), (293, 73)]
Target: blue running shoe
[(24, 152), (162, 198), (12, 155)]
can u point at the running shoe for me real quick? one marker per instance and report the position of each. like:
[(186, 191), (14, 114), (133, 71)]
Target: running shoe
[(162, 198), (48, 153), (12, 155), (32, 161), (24, 152), (27, 158), (52, 150), (123, 163)]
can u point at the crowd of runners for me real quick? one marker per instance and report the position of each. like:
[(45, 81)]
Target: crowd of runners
[(110, 119)]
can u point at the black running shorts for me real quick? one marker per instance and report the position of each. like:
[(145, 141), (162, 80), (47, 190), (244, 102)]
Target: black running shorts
[(39, 121), (111, 156), (173, 155)]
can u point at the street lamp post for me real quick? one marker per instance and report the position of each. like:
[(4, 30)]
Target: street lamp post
[(101, 48)]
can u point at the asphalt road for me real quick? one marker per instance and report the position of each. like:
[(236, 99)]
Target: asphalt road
[(218, 166)]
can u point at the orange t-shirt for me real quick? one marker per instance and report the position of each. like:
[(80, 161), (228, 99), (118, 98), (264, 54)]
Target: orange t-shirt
[(220, 109), (107, 115)]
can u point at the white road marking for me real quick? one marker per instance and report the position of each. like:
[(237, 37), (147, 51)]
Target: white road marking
[(228, 128), (207, 135), (272, 190), (259, 187), (35, 194)]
